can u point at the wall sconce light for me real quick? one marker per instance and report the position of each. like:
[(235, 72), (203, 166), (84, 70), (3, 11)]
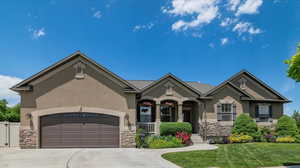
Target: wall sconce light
[(28, 115)]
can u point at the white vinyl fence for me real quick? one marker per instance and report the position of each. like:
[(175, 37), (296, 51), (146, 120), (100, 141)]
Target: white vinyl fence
[(9, 134)]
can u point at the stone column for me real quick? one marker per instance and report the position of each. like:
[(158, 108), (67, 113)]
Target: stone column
[(180, 113), (157, 119)]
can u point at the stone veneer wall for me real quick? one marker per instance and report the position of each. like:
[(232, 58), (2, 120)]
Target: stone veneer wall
[(128, 139), (217, 129), (28, 139)]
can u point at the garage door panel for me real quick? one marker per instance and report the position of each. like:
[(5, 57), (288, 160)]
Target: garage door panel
[(73, 130)]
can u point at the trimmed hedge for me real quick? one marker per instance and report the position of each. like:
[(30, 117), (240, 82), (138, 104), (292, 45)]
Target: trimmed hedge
[(171, 128)]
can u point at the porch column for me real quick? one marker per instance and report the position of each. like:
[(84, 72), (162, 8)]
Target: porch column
[(157, 118), (180, 113)]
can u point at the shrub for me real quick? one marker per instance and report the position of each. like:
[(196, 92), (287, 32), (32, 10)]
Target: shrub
[(286, 126), (244, 125), (185, 137), (286, 139), (158, 142), (139, 138), (267, 135), (171, 128), (240, 138), (297, 138)]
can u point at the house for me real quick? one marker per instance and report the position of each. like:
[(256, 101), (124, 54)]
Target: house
[(78, 103)]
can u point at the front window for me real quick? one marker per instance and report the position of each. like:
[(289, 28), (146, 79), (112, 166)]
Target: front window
[(145, 113), (226, 112), (263, 112), (168, 111)]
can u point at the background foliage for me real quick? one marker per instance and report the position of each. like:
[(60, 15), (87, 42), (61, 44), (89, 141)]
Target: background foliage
[(294, 66), (11, 114)]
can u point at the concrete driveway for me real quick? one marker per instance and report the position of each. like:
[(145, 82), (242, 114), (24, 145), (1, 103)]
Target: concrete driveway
[(90, 158)]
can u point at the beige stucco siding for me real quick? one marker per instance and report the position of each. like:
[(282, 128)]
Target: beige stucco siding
[(64, 90)]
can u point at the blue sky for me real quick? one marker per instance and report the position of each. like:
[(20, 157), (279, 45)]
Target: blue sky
[(197, 40)]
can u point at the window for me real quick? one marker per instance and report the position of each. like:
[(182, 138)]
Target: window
[(145, 113), (166, 113), (263, 112), (226, 112)]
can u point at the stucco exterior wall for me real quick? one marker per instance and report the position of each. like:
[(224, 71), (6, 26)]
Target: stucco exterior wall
[(226, 94), (63, 90)]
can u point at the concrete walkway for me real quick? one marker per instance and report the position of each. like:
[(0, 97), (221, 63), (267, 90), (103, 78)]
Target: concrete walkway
[(128, 158), (91, 158)]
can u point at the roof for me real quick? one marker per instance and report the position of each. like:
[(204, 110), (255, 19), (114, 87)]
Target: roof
[(260, 82), (23, 84), (228, 81), (201, 87)]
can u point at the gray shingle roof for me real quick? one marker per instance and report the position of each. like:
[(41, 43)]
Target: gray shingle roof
[(203, 88)]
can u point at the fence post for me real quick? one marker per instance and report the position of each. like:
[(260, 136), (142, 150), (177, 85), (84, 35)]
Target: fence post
[(6, 124)]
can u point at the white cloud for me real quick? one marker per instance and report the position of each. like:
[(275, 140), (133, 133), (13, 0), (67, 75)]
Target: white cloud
[(7, 82), (97, 14), (36, 34), (145, 26), (246, 27), (233, 4), (205, 10), (224, 41), (249, 7), (228, 21)]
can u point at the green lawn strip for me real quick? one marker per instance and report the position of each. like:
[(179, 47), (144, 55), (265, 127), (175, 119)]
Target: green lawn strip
[(250, 155), (262, 153)]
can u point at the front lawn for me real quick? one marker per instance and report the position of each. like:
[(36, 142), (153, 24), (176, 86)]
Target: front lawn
[(250, 155)]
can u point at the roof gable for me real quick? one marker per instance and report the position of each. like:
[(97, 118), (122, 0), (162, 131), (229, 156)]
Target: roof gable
[(24, 84), (259, 82), (167, 76), (227, 83)]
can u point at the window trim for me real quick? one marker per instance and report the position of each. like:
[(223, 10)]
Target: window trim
[(263, 117), (220, 111)]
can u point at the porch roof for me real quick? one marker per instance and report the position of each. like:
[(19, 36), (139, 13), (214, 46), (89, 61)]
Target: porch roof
[(201, 87)]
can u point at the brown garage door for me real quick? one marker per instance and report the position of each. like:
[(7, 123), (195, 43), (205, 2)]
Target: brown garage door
[(79, 130)]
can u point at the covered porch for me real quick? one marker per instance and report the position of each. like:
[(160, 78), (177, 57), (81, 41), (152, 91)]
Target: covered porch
[(151, 112)]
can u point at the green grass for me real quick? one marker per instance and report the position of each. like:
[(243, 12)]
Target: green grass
[(251, 155)]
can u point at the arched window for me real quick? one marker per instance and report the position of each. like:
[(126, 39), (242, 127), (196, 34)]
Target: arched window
[(146, 111)]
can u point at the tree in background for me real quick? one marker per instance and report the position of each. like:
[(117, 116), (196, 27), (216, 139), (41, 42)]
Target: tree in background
[(294, 66), (11, 114), (296, 117)]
